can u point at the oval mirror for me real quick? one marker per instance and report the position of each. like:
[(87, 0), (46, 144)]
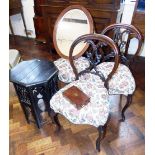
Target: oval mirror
[(73, 22)]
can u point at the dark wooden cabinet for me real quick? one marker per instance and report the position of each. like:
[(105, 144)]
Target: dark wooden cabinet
[(104, 12), (138, 19), (41, 28)]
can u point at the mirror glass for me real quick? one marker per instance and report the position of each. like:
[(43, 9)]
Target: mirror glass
[(69, 27)]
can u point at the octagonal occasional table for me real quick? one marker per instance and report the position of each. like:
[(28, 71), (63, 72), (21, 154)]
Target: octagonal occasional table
[(35, 82)]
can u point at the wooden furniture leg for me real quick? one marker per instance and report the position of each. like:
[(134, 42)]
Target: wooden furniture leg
[(129, 100), (101, 130)]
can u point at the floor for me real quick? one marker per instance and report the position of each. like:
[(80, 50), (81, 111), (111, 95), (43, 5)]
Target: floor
[(122, 138)]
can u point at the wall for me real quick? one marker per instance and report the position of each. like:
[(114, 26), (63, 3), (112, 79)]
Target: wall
[(17, 21), (128, 7)]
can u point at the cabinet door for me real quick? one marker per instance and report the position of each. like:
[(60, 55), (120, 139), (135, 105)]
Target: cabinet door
[(40, 28), (37, 7)]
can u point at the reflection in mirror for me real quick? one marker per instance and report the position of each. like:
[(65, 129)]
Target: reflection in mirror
[(71, 25)]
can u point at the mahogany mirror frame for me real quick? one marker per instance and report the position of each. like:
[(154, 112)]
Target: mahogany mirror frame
[(56, 27)]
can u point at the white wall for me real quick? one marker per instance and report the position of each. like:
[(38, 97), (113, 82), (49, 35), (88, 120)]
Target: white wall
[(128, 12), (17, 22), (127, 19)]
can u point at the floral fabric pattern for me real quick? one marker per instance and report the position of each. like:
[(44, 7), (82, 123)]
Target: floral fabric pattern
[(122, 81), (66, 73), (94, 113)]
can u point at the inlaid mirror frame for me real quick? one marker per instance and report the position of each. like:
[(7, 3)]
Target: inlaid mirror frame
[(91, 27)]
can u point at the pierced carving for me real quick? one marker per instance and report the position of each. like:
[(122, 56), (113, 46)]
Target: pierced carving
[(23, 94), (38, 93), (41, 103), (120, 38), (122, 35), (94, 55)]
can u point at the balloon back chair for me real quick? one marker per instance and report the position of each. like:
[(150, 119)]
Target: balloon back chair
[(123, 35), (92, 83), (123, 82), (72, 22)]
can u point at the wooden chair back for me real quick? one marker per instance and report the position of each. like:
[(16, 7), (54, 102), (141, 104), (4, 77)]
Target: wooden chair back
[(122, 34), (95, 42)]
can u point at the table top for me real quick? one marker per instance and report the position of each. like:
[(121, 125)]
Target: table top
[(33, 72)]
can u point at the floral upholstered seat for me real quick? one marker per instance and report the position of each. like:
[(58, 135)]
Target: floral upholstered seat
[(95, 112), (66, 74), (122, 81)]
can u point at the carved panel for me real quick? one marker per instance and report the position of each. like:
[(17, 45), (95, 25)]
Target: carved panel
[(23, 94)]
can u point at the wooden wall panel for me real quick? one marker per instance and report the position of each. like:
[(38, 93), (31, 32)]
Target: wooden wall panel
[(41, 28)]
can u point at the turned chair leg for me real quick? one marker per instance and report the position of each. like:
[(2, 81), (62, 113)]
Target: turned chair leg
[(101, 130), (129, 101), (55, 119)]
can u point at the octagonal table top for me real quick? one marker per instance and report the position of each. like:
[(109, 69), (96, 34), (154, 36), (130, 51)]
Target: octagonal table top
[(32, 72)]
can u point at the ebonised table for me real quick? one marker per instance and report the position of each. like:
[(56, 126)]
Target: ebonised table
[(35, 82)]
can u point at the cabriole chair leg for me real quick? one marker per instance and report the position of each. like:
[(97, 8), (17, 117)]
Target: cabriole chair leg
[(101, 130), (129, 100)]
